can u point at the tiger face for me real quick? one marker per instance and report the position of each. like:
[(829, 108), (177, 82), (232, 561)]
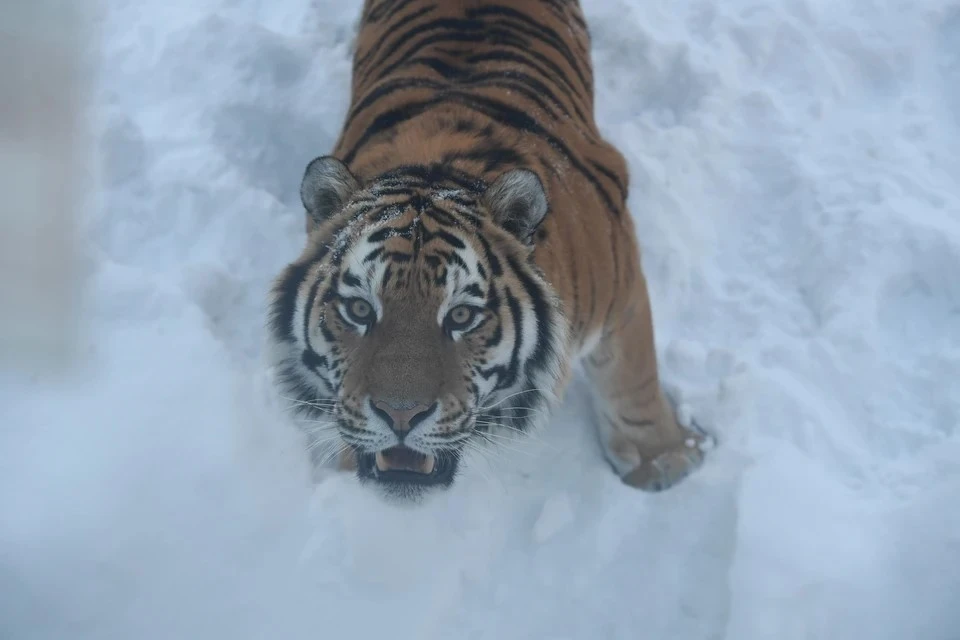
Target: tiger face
[(416, 321)]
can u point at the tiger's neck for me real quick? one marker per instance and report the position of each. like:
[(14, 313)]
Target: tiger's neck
[(459, 142)]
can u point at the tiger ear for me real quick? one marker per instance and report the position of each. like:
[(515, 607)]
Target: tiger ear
[(326, 186), (517, 202)]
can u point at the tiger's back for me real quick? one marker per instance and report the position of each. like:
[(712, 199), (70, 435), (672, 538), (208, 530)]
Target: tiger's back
[(483, 87), (470, 184)]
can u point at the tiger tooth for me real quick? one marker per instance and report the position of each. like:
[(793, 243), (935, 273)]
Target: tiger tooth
[(429, 463), (381, 461)]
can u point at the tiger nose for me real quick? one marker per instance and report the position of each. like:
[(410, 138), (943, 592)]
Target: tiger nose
[(402, 416)]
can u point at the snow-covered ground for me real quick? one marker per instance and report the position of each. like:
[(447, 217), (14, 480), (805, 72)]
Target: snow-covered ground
[(796, 184)]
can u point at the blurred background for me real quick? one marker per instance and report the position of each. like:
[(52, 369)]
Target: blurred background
[(47, 170), (795, 181)]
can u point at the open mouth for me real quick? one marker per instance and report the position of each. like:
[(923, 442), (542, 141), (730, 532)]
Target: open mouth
[(402, 465)]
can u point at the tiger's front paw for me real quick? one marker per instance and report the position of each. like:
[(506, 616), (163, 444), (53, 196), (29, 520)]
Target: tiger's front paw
[(656, 469)]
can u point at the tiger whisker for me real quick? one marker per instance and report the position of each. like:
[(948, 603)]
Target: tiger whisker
[(333, 454), (501, 425), (528, 438), (320, 429), (316, 404), (500, 442), (319, 442), (514, 412), (317, 401), (512, 395)]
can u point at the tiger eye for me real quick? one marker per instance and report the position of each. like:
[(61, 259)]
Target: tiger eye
[(360, 309), (461, 315), (459, 318)]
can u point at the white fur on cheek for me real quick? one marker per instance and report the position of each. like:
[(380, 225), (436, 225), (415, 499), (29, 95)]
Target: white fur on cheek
[(458, 279), (369, 289), (289, 354)]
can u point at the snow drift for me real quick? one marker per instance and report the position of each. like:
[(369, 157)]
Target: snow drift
[(795, 184)]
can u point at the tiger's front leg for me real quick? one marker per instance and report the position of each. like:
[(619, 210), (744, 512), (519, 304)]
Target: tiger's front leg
[(643, 441)]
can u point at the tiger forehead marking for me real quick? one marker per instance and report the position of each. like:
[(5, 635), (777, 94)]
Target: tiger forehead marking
[(467, 242), (413, 246)]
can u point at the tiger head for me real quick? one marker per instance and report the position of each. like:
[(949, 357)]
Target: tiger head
[(415, 323)]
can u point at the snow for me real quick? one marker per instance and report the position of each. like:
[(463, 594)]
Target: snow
[(795, 184)]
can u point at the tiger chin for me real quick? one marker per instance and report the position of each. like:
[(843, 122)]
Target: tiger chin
[(468, 243)]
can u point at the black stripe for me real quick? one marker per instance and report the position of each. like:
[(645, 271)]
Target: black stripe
[(495, 339), (446, 236), (388, 190), (384, 234), (497, 370), (397, 256), (493, 35), (424, 176), (314, 362), (493, 300), (372, 51), (417, 243), (285, 304), (541, 311), (614, 178), (497, 110), (350, 279), (373, 255), (441, 216), (330, 293), (511, 117), (288, 285), (453, 26), (454, 258), (557, 6), (473, 289), (491, 156), (519, 88), (557, 78), (403, 59), (528, 401), (386, 121), (533, 29), (514, 367), (491, 257), (387, 89), (385, 10), (444, 68), (533, 86), (574, 14)]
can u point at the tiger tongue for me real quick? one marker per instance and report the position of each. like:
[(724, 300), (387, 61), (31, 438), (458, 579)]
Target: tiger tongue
[(404, 459)]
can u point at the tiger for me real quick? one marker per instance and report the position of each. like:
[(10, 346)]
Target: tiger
[(468, 245)]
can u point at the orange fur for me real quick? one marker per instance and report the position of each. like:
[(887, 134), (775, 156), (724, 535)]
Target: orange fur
[(516, 90)]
